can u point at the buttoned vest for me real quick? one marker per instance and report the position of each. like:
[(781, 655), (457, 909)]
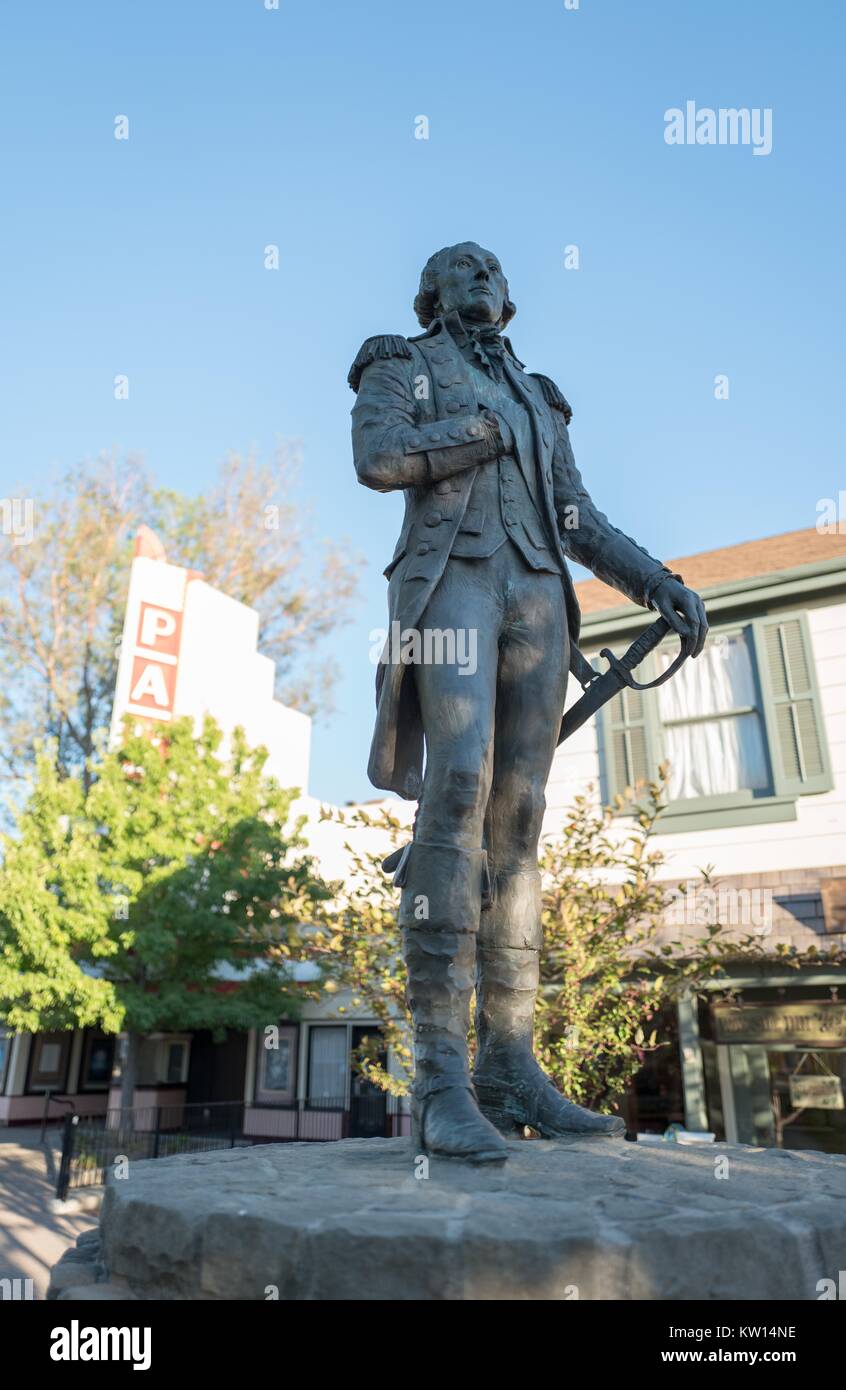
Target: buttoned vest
[(504, 503)]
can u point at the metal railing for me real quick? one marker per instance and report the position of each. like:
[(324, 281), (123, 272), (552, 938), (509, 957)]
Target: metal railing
[(50, 1099), (93, 1146)]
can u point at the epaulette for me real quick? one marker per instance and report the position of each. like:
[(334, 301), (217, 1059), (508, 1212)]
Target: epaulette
[(382, 346), (553, 396)]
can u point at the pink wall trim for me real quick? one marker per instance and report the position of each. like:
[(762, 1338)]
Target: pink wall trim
[(276, 1124), (292, 1124), (27, 1109)]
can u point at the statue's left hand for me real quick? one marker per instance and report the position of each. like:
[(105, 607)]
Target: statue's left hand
[(684, 611)]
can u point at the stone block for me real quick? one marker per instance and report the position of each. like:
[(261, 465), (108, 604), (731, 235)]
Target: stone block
[(564, 1220)]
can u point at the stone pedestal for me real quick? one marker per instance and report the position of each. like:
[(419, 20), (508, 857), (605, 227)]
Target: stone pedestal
[(359, 1219)]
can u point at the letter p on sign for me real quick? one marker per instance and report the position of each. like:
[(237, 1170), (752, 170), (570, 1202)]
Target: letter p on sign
[(157, 624)]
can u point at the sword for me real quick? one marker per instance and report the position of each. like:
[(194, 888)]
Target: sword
[(602, 687)]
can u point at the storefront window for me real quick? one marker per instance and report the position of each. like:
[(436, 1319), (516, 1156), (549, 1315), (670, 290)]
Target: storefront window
[(176, 1054), (775, 1066), (276, 1071), (49, 1061), (808, 1100), (163, 1061), (328, 1066), (97, 1061), (655, 1098)]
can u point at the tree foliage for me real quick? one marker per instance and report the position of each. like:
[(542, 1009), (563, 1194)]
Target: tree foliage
[(141, 901)]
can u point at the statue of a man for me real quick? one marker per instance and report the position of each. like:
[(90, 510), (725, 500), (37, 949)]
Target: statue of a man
[(494, 504)]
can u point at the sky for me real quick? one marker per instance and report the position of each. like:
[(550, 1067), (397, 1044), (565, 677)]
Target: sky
[(295, 127)]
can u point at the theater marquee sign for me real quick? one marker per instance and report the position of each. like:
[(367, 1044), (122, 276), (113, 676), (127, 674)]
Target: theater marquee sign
[(818, 1023), (149, 664)]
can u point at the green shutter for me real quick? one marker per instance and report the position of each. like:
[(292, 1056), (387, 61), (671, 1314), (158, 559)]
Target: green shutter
[(795, 727), (626, 746)]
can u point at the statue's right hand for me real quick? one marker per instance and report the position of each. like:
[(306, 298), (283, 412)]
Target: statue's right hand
[(499, 433)]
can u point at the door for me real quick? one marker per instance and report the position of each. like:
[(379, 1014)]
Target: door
[(368, 1104), (217, 1071)]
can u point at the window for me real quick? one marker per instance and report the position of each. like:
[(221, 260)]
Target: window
[(177, 1056), (741, 727), (97, 1060), (276, 1071), (713, 730), (163, 1061), (49, 1061), (328, 1065)]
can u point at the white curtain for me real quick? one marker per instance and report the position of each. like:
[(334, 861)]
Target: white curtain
[(712, 756), (328, 1064)]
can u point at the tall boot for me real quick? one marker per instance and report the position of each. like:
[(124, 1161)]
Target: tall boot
[(513, 1090), (439, 915)]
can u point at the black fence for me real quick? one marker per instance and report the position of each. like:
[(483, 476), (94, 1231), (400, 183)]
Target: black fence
[(93, 1147)]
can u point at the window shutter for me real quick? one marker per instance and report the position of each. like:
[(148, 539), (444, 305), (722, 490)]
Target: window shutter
[(792, 705), (627, 754)]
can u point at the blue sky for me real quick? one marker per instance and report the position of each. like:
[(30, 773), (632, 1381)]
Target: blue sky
[(296, 127)]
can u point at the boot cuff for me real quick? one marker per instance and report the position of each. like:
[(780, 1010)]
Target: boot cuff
[(442, 887), (514, 917)]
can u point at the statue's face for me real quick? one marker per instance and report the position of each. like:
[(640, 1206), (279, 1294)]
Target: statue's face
[(473, 283)]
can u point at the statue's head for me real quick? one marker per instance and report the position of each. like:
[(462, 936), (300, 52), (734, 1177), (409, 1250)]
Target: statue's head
[(467, 278)]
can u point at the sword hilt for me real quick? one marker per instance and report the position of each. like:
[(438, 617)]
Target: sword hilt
[(638, 651)]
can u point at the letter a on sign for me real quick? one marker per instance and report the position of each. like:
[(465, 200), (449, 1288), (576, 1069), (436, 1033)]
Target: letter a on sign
[(151, 685)]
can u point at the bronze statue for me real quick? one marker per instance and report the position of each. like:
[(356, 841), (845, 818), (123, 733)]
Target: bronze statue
[(494, 504)]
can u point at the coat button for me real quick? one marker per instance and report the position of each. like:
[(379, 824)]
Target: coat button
[(549, 475), (443, 487), (423, 549), (453, 407), (434, 519), (414, 443), (434, 436), (474, 430), (454, 434)]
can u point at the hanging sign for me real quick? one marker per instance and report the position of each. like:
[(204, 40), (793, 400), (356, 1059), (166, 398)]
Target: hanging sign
[(816, 1092)]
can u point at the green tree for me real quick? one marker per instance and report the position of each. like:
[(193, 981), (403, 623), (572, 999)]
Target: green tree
[(170, 893), (609, 964)]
